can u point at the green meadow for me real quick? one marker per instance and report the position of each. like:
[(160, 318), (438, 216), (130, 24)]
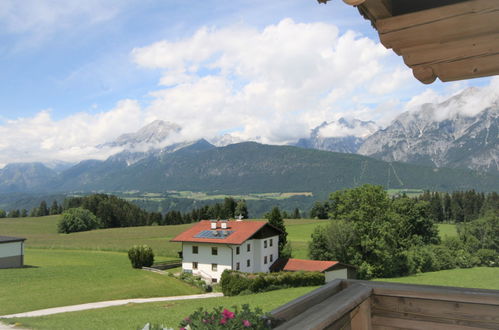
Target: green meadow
[(67, 277), (477, 277), (135, 316)]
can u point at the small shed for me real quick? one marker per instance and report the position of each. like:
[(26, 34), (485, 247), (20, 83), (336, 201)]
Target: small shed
[(331, 269), (11, 252)]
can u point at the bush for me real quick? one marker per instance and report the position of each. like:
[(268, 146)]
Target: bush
[(221, 318), (141, 256), (488, 257), (234, 282), (77, 219)]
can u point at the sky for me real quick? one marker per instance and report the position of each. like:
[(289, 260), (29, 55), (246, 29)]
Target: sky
[(77, 74)]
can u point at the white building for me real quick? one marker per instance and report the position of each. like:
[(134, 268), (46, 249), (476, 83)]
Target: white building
[(210, 247), (11, 252)]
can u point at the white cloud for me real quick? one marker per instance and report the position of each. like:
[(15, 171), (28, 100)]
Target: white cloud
[(271, 85)]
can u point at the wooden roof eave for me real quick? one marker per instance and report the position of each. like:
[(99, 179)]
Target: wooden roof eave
[(452, 42)]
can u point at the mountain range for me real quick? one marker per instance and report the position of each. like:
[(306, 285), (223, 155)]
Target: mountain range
[(433, 138)]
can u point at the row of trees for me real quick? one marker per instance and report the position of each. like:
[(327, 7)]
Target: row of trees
[(40, 211), (460, 206), (386, 237), (455, 207)]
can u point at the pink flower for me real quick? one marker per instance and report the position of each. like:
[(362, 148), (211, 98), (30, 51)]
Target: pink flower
[(228, 314), (223, 321), (187, 320), (247, 323)]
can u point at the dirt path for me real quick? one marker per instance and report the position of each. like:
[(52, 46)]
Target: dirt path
[(102, 304)]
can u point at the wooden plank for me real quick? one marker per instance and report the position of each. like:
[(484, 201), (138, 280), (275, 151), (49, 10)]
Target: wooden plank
[(376, 9), (475, 67), (451, 323), (438, 308), (467, 295), (382, 321), (449, 51), (451, 29), (361, 316), (395, 23), (301, 304), (329, 311)]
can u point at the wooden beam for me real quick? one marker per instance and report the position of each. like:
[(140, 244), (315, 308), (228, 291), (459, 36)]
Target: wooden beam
[(361, 316), (353, 2), (330, 311), (446, 293), (301, 304), (454, 312), (454, 50), (382, 322), (455, 28), (425, 74), (396, 23), (475, 67), (376, 9)]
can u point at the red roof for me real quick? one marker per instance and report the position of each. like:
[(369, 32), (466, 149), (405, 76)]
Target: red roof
[(241, 232), (294, 265)]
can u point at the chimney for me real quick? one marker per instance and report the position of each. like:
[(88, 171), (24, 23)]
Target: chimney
[(223, 224), (213, 224)]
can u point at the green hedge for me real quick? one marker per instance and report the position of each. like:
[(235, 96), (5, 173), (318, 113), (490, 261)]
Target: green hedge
[(234, 282)]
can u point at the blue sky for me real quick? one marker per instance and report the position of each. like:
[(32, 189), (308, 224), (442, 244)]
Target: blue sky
[(77, 74)]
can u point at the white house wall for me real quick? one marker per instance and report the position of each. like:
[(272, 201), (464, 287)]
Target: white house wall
[(334, 274), (227, 258), (11, 249), (205, 259), (11, 254)]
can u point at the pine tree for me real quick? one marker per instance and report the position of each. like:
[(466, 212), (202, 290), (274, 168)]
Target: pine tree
[(54, 208), (296, 214), (275, 219), (42, 209)]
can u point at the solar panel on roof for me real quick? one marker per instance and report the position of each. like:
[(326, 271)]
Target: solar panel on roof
[(220, 234)]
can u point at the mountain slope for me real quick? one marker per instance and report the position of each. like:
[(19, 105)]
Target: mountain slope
[(442, 135), (340, 136), (252, 167), (18, 177)]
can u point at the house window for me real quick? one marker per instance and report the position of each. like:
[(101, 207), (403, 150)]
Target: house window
[(248, 263), (248, 247), (195, 265), (213, 280), (214, 267), (237, 250), (265, 244), (214, 251), (271, 242), (194, 249), (265, 260), (238, 266), (271, 258)]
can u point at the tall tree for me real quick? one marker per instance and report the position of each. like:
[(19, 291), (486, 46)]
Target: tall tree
[(3, 214), (42, 209), (296, 214), (54, 208), (241, 209), (275, 219)]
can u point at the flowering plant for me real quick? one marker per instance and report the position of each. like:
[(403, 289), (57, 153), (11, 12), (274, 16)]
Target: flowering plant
[(221, 318)]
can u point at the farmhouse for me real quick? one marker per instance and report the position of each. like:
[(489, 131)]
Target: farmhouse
[(11, 252), (210, 247)]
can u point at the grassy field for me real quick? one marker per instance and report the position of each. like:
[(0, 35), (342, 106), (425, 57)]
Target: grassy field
[(133, 316), (42, 233), (478, 277), (67, 277), (299, 232), (447, 230)]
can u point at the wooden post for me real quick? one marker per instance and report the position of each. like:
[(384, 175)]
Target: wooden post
[(361, 316)]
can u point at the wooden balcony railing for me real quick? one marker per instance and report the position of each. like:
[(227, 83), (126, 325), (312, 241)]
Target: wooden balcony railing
[(351, 304)]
